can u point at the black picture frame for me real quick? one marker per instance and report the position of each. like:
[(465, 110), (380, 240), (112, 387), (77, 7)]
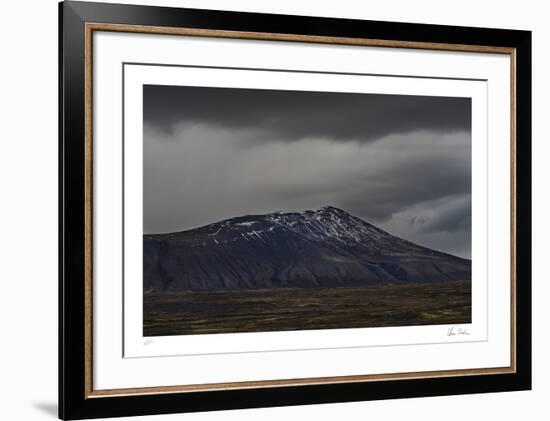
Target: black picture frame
[(73, 400)]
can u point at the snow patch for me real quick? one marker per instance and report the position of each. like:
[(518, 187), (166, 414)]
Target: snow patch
[(246, 224)]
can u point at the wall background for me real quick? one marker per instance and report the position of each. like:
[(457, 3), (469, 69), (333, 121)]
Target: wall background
[(28, 208)]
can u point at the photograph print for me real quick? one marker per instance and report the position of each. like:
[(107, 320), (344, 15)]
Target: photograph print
[(273, 210)]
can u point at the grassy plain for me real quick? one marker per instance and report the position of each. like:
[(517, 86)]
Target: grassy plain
[(282, 309)]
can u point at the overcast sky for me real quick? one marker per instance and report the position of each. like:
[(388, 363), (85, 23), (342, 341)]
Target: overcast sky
[(402, 163)]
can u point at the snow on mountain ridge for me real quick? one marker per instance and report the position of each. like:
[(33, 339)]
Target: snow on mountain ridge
[(322, 224), (326, 247)]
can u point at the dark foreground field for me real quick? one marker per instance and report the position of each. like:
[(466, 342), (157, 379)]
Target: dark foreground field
[(260, 310)]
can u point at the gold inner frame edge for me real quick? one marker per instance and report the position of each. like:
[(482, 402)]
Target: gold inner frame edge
[(91, 27)]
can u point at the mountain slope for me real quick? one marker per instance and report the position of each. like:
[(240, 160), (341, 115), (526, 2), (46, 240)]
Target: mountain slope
[(327, 247)]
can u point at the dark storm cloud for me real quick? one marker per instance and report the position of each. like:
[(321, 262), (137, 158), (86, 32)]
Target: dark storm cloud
[(401, 163), (456, 218), (292, 115), (413, 181)]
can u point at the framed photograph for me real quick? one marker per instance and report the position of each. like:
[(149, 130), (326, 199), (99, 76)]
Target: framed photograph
[(266, 210)]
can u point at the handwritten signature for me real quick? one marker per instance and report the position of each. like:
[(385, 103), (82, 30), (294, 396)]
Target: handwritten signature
[(460, 331)]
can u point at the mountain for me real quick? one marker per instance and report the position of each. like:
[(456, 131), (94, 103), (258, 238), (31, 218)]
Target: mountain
[(326, 247)]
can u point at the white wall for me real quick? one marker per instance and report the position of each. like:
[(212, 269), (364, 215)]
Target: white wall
[(28, 208)]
